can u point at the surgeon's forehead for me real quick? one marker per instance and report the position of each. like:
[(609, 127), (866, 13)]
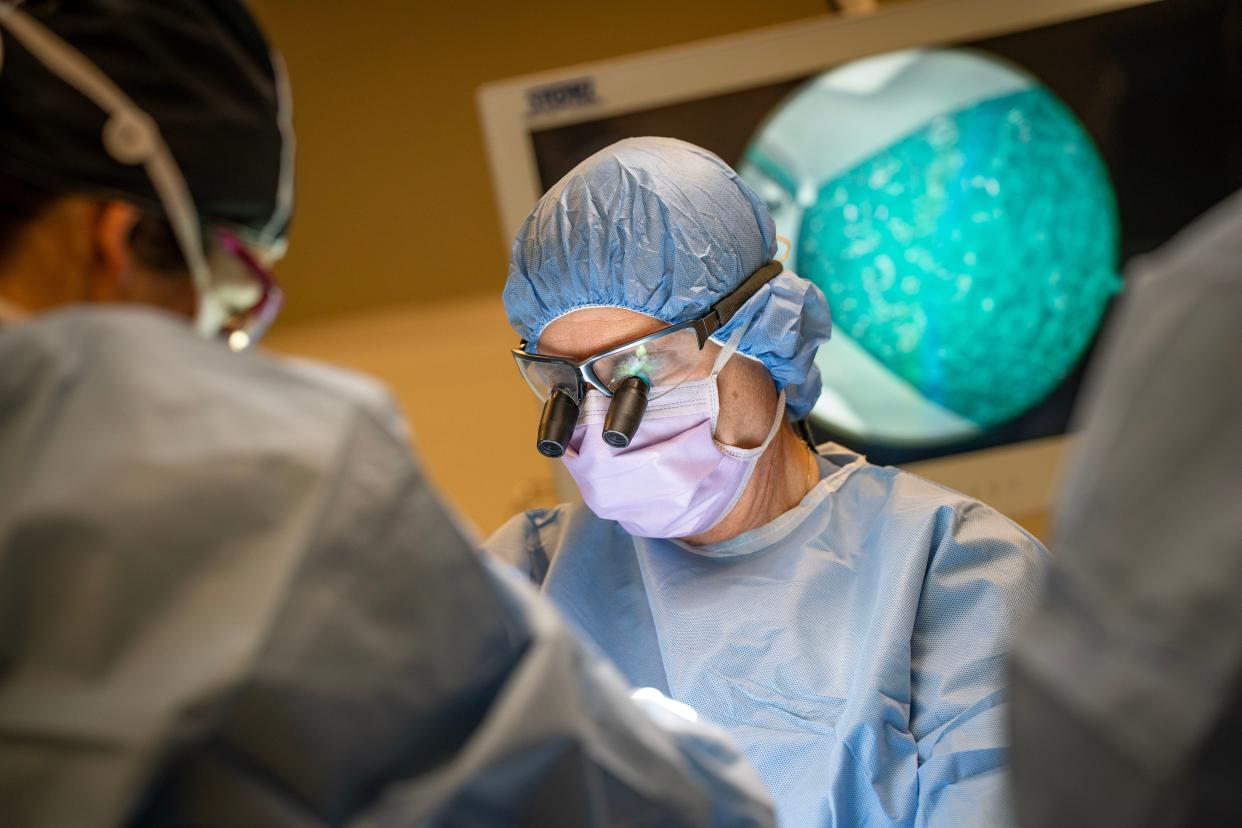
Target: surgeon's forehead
[(587, 331)]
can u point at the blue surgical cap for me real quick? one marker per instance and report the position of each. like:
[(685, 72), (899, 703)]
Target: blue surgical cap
[(666, 229)]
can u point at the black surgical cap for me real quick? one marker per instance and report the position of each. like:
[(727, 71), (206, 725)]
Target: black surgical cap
[(201, 69)]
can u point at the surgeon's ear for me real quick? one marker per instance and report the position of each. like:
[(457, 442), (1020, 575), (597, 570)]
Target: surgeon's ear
[(747, 402), (114, 258)]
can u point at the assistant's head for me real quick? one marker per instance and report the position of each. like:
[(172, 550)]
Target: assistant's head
[(145, 156), (642, 237)]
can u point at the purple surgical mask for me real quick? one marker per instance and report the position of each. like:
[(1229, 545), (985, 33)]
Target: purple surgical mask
[(675, 479)]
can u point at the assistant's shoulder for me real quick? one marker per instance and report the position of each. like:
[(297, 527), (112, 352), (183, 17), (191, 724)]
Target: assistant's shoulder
[(361, 393), (157, 383), (283, 384)]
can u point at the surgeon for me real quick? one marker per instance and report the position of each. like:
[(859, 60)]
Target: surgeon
[(228, 596), (847, 623)]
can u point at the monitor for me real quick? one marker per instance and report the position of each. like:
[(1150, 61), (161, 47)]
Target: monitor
[(965, 179)]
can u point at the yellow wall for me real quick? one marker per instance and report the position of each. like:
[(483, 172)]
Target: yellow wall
[(395, 202)]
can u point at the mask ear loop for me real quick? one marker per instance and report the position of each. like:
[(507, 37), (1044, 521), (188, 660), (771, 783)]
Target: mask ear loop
[(726, 351), (270, 236), (788, 249)]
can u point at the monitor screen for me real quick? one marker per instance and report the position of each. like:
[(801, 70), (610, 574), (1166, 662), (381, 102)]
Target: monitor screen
[(969, 209)]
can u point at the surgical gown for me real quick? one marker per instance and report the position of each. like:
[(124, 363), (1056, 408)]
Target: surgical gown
[(228, 596), (854, 647)]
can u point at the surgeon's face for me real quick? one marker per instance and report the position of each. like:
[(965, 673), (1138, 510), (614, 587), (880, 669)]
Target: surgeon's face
[(747, 392)]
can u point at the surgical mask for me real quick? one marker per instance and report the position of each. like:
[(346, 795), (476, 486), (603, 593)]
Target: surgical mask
[(675, 479)]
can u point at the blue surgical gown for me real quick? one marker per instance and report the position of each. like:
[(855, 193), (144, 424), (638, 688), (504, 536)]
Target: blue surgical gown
[(854, 647)]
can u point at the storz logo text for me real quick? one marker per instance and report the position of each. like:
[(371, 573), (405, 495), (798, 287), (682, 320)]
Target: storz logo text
[(574, 93)]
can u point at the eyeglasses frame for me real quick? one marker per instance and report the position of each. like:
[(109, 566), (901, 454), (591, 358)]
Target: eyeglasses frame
[(704, 326), (271, 299)]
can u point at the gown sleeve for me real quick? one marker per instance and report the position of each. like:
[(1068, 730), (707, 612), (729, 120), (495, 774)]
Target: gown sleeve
[(982, 579)]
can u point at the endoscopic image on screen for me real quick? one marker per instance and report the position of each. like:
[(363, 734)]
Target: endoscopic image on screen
[(969, 209)]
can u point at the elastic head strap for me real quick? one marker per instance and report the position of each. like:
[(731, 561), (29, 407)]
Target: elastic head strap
[(731, 304)]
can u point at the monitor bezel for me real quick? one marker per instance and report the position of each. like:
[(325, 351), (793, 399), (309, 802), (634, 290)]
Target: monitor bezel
[(1019, 479)]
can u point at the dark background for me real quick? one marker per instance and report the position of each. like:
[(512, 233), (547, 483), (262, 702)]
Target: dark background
[(1159, 88)]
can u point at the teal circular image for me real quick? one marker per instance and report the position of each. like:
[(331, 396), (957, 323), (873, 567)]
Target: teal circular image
[(963, 227)]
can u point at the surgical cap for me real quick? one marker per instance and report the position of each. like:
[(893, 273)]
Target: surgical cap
[(666, 229), (201, 69)]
